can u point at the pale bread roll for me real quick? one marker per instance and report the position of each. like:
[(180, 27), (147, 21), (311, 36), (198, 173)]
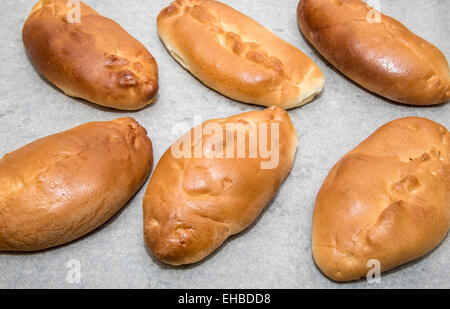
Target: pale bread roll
[(236, 56), (388, 199), (193, 203)]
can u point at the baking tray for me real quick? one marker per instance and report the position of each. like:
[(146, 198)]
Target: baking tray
[(275, 252)]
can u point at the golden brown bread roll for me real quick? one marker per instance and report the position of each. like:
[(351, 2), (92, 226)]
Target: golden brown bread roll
[(96, 59), (236, 56), (387, 199), (196, 200), (63, 186), (384, 57)]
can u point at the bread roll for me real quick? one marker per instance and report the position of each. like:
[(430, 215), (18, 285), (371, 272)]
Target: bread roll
[(384, 57), (63, 186), (96, 59), (387, 199), (196, 200), (236, 56)]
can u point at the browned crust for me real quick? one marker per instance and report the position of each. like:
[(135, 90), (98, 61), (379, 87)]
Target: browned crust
[(386, 58), (387, 199), (96, 60), (192, 205), (63, 186)]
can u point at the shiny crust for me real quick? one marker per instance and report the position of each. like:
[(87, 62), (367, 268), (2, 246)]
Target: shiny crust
[(63, 186), (387, 199), (96, 60), (192, 206), (386, 58), (236, 56)]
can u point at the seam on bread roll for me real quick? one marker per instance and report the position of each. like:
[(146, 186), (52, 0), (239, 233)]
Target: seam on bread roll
[(236, 56), (96, 59), (388, 199), (383, 57), (193, 204), (63, 186)]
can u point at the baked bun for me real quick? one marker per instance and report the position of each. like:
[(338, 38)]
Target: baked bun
[(381, 54), (63, 186), (236, 56), (388, 199), (96, 59), (203, 192)]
